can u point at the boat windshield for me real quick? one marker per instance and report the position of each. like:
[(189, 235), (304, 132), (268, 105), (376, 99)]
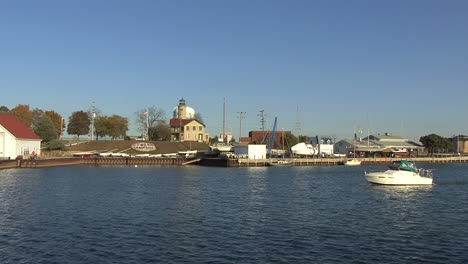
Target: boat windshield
[(404, 165)]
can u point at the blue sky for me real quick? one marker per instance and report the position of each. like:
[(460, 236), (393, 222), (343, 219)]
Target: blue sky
[(396, 66)]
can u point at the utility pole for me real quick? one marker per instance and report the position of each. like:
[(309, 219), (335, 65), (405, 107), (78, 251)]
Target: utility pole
[(241, 116), (298, 124), (262, 119)]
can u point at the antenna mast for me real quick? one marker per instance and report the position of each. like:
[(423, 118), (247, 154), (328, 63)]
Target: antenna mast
[(241, 116)]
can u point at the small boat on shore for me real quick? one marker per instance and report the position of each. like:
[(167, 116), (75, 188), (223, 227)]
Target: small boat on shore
[(85, 154), (352, 162), (280, 163), (221, 147), (401, 173)]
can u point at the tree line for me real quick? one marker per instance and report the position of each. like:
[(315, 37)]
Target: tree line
[(47, 124), (50, 126), (151, 122)]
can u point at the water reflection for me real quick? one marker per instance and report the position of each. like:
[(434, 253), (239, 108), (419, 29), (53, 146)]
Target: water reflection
[(400, 191)]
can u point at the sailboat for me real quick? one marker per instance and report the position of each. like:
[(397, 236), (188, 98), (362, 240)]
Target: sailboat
[(277, 162), (222, 146), (354, 161)]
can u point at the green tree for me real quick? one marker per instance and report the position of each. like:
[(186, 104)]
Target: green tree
[(113, 126), (23, 113), (4, 109), (55, 145), (78, 124), (43, 126), (101, 126), (57, 120), (290, 140), (435, 143), (118, 126)]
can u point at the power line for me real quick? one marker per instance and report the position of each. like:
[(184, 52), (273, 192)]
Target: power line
[(298, 127), (262, 119)]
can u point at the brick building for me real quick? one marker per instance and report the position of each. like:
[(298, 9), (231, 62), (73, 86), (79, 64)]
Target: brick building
[(257, 137)]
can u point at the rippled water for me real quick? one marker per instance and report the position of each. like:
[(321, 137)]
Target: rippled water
[(220, 215)]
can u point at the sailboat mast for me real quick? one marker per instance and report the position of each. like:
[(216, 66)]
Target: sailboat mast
[(272, 139), (224, 117), (354, 142)]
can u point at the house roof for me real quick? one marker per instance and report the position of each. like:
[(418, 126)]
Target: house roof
[(176, 122), (17, 128)]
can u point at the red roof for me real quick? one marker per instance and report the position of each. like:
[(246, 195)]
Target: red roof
[(16, 127)]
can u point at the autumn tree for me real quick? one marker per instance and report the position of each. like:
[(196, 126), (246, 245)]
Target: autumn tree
[(43, 126), (23, 113), (57, 120), (161, 131), (78, 124), (149, 118)]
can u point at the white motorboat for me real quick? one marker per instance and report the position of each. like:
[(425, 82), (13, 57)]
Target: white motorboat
[(303, 149), (352, 162), (401, 173)]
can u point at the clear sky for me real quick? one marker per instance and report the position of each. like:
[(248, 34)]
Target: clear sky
[(400, 66)]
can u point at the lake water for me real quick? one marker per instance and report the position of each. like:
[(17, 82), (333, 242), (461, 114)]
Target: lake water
[(230, 215)]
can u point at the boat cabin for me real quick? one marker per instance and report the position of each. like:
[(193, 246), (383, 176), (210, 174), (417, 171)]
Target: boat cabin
[(404, 165)]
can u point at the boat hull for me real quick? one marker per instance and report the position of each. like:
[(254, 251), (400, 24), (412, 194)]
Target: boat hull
[(352, 163), (281, 163), (397, 177)]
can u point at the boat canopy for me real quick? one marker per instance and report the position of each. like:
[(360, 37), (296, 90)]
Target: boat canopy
[(405, 165)]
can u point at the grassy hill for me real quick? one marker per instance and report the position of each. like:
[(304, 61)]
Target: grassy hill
[(162, 147)]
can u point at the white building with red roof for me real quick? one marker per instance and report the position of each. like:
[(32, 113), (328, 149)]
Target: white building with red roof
[(16, 138)]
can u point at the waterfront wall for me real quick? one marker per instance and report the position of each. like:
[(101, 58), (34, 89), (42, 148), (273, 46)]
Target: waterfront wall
[(38, 163), (341, 161), (130, 161)]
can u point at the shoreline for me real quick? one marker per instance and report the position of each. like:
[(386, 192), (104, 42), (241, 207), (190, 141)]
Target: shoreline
[(216, 162)]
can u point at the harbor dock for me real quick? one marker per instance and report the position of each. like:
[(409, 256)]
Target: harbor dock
[(181, 161)]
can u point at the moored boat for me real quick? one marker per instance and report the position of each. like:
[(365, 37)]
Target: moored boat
[(280, 163), (352, 162), (401, 173), (221, 147)]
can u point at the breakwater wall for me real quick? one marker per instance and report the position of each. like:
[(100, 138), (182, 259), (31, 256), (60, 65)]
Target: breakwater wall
[(39, 163), (341, 161), (178, 161)]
